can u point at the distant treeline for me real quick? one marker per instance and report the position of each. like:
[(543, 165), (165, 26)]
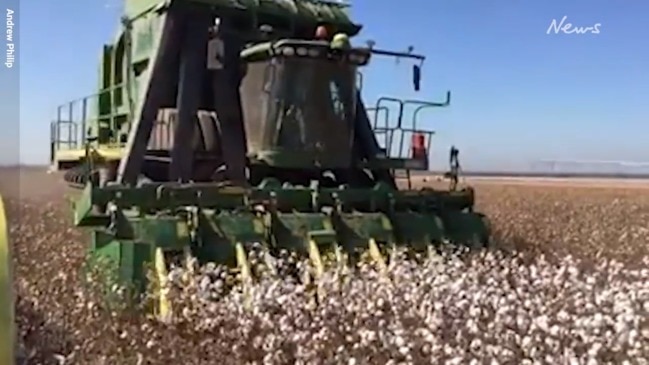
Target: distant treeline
[(548, 174)]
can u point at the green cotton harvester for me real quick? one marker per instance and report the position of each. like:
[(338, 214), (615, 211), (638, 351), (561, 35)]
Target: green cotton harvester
[(222, 124)]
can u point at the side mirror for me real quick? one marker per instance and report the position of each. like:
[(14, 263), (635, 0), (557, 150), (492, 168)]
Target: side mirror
[(416, 77)]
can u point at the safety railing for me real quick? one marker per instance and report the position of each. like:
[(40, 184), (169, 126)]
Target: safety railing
[(70, 129), (65, 132), (401, 144), (396, 135)]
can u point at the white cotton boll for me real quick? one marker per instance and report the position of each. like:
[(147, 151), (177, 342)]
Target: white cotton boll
[(476, 344), (563, 316), (491, 307), (526, 343), (598, 320), (594, 349), (474, 311), (404, 350), (455, 361), (572, 360), (541, 322), (555, 330)]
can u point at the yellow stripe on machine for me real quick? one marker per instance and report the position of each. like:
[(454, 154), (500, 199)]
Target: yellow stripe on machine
[(107, 153), (7, 323), (246, 273), (162, 307)]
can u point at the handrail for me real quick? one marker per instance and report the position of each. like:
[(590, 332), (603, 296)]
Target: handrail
[(376, 112), (384, 99), (390, 131), (77, 125), (422, 104), (382, 52), (99, 93), (427, 104), (381, 129)]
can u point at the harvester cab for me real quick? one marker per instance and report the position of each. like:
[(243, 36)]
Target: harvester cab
[(211, 138), (307, 106), (310, 89)]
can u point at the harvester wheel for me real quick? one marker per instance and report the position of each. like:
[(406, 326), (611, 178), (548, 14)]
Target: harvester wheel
[(7, 337), (76, 176)]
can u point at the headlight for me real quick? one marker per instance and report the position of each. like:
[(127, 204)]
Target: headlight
[(302, 51), (314, 52), (288, 51)]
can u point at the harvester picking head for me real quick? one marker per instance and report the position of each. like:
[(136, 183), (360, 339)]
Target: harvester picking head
[(271, 146)]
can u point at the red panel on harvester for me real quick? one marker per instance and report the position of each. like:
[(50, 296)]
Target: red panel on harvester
[(418, 146)]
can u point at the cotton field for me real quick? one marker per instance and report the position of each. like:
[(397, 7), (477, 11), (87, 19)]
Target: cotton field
[(567, 282)]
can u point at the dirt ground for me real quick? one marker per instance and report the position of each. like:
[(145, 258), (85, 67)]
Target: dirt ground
[(557, 218)]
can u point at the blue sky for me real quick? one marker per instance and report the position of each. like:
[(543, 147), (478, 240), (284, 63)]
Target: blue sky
[(519, 94)]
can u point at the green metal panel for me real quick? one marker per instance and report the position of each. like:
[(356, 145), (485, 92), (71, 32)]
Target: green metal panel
[(293, 231), (104, 98), (219, 232), (126, 259), (83, 206), (300, 12), (417, 230), (239, 226), (355, 229), (171, 196), (133, 8), (466, 227), (167, 232), (143, 32), (122, 261)]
